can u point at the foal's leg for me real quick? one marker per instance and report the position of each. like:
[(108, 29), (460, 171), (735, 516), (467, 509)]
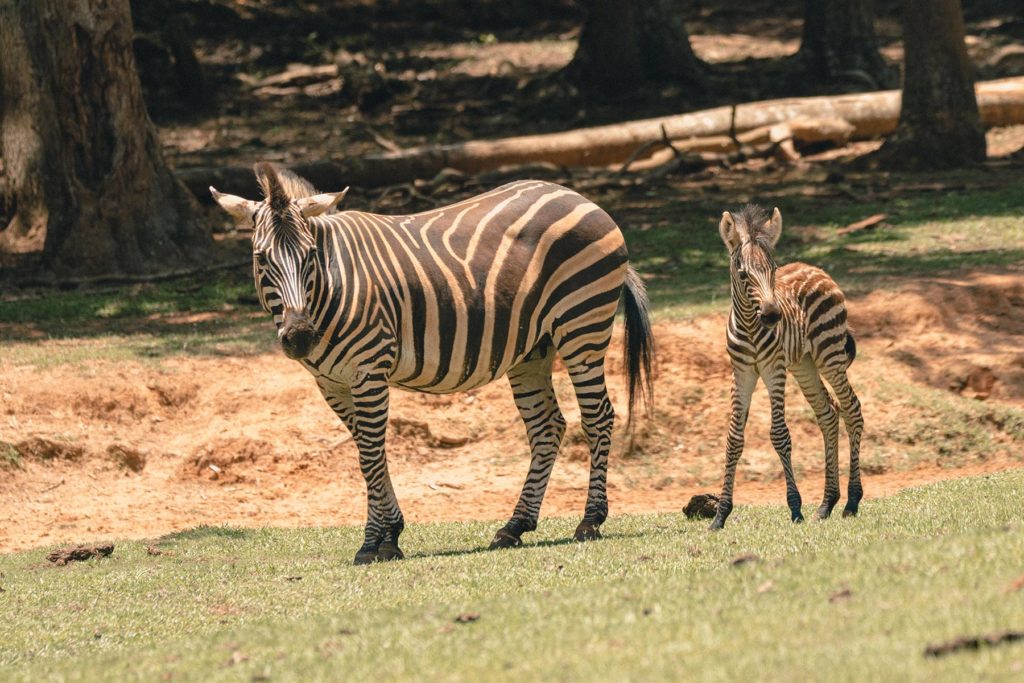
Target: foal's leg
[(775, 381), (744, 379), (849, 406), (545, 426), (364, 410), (806, 374)]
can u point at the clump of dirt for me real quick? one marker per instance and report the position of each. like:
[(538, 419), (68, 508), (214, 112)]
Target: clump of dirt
[(41, 448), (973, 381), (80, 553), (227, 460), (127, 457), (701, 506)]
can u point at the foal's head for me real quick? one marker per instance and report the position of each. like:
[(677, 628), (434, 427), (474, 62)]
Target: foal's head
[(750, 237)]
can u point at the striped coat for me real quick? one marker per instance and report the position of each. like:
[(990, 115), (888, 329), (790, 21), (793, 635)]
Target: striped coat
[(445, 301), (789, 319)]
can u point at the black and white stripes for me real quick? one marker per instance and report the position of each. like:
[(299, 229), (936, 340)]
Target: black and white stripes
[(791, 318), (445, 301)]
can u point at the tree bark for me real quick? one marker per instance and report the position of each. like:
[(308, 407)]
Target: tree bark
[(839, 43), (87, 185), (939, 126), (627, 43)]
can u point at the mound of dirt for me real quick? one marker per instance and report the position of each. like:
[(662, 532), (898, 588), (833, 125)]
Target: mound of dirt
[(957, 334)]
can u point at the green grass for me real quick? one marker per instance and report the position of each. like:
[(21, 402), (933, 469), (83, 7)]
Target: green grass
[(658, 599)]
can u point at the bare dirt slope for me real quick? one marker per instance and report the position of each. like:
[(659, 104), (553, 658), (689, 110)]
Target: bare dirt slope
[(130, 449)]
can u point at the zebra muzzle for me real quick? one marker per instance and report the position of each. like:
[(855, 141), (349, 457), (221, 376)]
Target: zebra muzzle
[(297, 335)]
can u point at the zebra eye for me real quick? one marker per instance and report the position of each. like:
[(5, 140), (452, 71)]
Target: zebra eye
[(742, 274), (261, 259)]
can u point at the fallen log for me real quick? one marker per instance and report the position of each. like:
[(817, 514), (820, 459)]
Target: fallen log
[(870, 115)]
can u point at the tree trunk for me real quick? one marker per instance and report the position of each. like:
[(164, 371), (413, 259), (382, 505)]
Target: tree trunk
[(626, 43), (87, 185), (939, 126), (839, 43)]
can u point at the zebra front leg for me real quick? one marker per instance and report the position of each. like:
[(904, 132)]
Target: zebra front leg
[(806, 374), (744, 379), (775, 381), (364, 410), (849, 406), (597, 418), (545, 427)]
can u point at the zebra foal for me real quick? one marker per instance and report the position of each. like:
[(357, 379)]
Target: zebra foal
[(445, 301), (790, 318)]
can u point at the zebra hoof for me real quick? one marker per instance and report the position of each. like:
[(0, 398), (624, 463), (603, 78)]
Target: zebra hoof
[(384, 553), (822, 514), (587, 531), (798, 518), (850, 512), (716, 524), (504, 539)]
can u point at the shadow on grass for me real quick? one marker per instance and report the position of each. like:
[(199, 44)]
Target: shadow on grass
[(536, 544)]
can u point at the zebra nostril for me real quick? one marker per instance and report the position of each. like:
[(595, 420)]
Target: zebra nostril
[(770, 316)]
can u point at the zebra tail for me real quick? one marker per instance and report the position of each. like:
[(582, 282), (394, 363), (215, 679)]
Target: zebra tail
[(850, 348), (638, 344)]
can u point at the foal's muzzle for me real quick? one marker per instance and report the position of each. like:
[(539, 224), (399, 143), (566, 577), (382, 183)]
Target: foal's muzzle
[(297, 335), (770, 314)]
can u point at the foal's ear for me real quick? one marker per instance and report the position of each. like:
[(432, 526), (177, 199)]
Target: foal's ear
[(731, 233), (240, 209), (320, 203), (773, 227)]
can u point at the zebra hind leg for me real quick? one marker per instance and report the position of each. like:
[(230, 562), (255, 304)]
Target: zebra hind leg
[(806, 374), (598, 418), (535, 398), (849, 406)]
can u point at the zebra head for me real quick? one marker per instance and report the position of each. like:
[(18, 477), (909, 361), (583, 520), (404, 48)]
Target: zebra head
[(284, 249), (751, 237)]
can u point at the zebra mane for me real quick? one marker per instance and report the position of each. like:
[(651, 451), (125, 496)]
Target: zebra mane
[(753, 217), (286, 184)]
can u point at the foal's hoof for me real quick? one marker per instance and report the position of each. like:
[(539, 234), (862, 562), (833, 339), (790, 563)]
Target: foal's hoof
[(504, 539), (849, 512), (798, 518), (385, 552), (716, 524), (587, 531)]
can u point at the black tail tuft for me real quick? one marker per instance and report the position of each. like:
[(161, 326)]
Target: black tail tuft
[(638, 344), (851, 349)]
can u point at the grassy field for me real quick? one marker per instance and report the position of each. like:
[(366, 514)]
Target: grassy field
[(659, 599)]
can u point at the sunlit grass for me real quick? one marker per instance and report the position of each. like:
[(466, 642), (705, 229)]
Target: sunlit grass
[(658, 599)]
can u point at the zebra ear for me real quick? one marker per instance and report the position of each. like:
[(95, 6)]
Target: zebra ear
[(240, 209), (320, 203), (773, 227), (729, 231)]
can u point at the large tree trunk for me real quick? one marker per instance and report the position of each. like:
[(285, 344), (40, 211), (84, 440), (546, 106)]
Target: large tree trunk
[(939, 123), (87, 184), (839, 42), (626, 43)]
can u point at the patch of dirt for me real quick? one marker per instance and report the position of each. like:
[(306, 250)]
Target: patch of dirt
[(962, 334), (250, 442)]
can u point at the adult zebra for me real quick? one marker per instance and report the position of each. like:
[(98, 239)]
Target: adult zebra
[(445, 301)]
